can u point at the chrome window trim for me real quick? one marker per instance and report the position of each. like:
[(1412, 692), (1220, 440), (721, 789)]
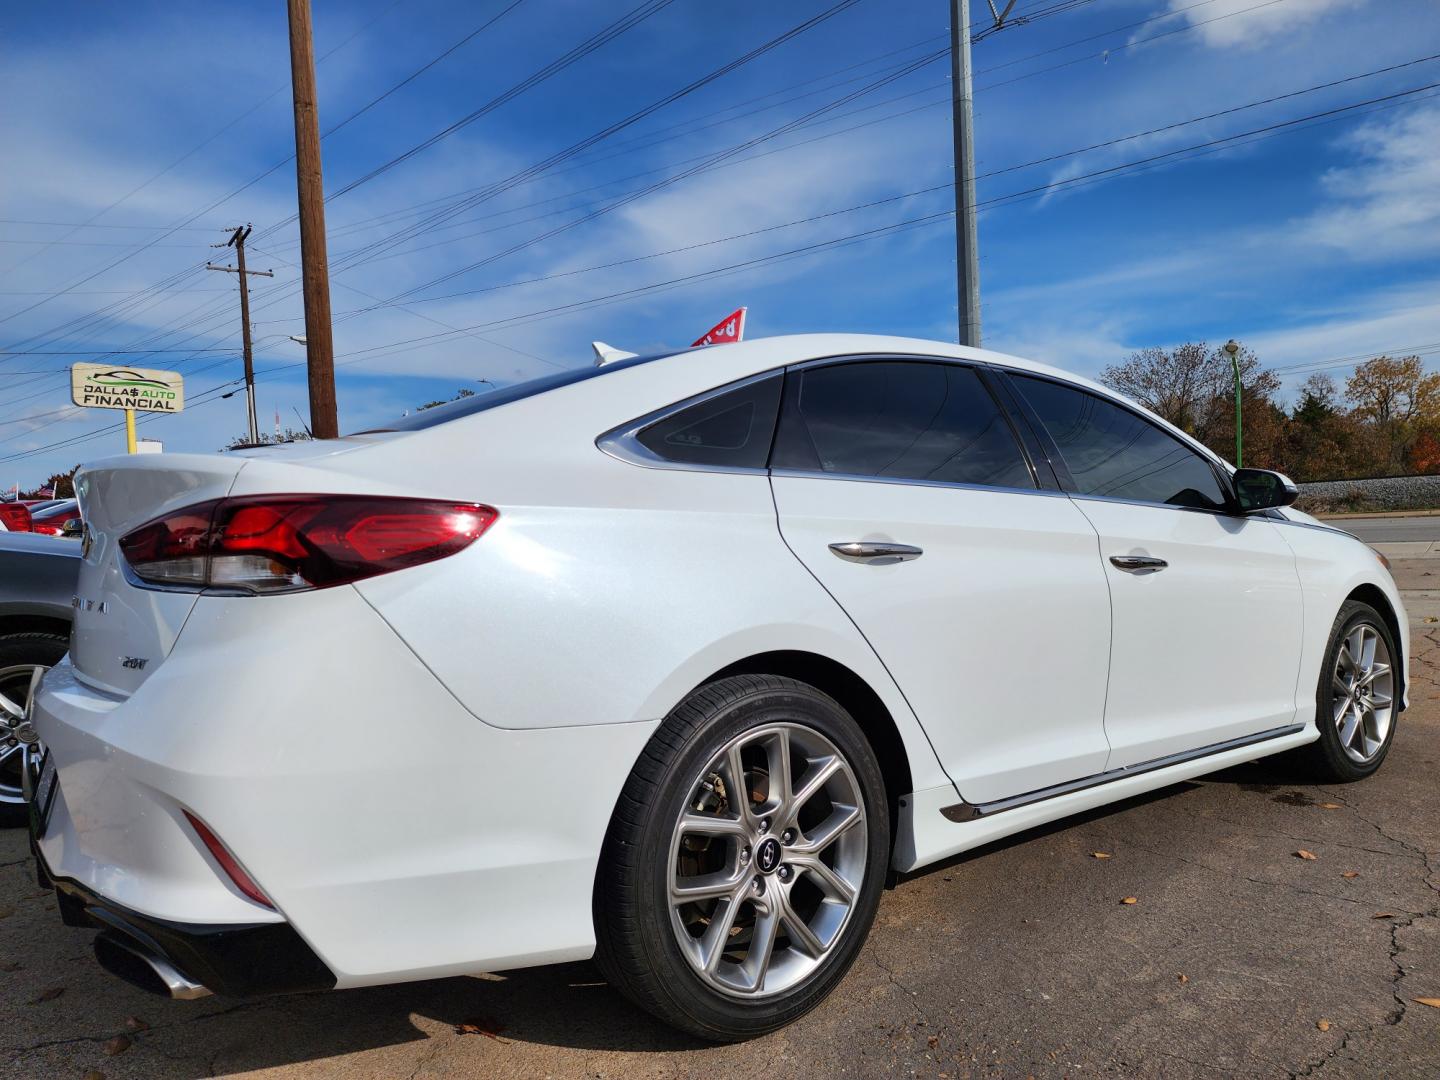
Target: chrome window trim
[(623, 442), (820, 474), (1078, 497)]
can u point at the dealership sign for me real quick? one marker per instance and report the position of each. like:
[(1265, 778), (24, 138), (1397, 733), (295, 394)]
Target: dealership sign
[(105, 386)]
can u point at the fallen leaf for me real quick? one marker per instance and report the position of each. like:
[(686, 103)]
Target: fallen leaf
[(1323, 1025), (6, 912), (118, 1045), (1130, 900), (1431, 618), (1100, 854), (1331, 806), (9, 965), (1351, 874), (1302, 853), (1434, 1003), (481, 1027), (933, 1041), (134, 1023), (93, 1074), (1182, 978), (1383, 915), (51, 994)]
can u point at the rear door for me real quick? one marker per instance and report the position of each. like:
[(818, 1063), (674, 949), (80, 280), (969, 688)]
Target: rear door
[(1207, 607), (903, 488)]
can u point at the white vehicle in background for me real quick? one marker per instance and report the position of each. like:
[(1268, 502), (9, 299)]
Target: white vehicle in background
[(685, 654)]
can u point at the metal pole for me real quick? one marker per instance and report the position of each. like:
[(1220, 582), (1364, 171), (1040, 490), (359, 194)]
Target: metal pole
[(1232, 349), (240, 235), (320, 352), (130, 431), (967, 251), (237, 241)]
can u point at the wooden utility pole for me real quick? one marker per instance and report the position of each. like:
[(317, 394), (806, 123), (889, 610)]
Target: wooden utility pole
[(237, 241), (319, 347)]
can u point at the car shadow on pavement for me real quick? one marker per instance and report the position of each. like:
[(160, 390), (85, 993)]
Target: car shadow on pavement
[(566, 1006)]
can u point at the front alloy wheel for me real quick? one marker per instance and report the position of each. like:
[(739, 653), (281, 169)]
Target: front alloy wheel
[(1363, 687), (1356, 703), (745, 859)]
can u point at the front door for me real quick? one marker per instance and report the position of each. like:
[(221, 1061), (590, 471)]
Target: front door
[(901, 486), (1207, 608)]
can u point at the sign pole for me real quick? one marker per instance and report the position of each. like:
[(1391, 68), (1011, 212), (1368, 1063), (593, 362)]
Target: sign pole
[(130, 431)]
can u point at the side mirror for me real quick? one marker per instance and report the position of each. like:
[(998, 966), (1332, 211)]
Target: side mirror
[(1260, 489)]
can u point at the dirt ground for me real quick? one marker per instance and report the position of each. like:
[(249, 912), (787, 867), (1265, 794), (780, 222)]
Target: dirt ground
[(1239, 958)]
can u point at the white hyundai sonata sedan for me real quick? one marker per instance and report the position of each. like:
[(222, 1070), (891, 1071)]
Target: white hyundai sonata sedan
[(680, 657)]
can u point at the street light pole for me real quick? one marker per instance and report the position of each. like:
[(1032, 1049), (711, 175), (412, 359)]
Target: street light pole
[(1232, 349)]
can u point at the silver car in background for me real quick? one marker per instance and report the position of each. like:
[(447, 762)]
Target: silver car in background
[(37, 583)]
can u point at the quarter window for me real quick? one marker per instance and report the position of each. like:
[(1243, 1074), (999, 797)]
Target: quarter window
[(1111, 451), (908, 420), (730, 430)]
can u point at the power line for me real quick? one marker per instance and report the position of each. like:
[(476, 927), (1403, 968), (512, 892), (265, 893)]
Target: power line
[(1132, 25)]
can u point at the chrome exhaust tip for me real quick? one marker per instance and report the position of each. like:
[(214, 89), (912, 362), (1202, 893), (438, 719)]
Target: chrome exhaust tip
[(131, 961)]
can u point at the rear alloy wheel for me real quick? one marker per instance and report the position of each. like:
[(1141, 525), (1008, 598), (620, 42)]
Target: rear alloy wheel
[(745, 860), (1357, 700), (24, 658)]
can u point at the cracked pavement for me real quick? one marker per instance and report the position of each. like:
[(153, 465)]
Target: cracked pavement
[(1239, 958)]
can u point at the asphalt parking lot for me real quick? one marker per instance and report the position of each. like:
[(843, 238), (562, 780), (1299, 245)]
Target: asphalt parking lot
[(1239, 958)]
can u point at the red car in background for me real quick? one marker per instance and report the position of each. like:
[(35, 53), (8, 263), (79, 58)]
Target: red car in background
[(53, 520), (15, 517)]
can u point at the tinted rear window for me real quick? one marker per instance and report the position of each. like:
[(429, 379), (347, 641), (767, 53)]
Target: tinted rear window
[(901, 419), (469, 406)]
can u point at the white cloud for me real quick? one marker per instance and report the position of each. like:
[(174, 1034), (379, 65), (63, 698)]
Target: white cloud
[(1248, 24), (1387, 203)]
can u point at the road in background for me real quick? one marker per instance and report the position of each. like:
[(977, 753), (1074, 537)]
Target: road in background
[(1391, 530)]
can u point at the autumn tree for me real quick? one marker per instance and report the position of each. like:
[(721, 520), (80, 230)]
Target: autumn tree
[(1193, 387), (1398, 399), (62, 485)]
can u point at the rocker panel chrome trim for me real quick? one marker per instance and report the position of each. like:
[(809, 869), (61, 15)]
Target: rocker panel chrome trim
[(964, 811)]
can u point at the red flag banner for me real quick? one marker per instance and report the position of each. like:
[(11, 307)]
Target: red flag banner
[(727, 331)]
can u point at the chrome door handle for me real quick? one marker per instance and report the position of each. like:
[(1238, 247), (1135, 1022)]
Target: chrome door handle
[(1138, 564), (876, 553)]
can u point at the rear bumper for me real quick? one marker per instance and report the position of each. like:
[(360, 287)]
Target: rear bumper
[(397, 834), (240, 960)]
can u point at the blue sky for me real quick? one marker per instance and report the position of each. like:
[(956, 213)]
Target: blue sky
[(1316, 243)]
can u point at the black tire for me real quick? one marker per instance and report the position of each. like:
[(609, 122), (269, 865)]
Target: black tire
[(1325, 760), (22, 650), (638, 950)]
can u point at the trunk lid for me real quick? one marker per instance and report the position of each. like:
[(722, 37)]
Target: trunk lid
[(123, 631)]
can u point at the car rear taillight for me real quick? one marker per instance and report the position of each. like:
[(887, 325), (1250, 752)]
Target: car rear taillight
[(16, 516), (233, 870), (284, 543)]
